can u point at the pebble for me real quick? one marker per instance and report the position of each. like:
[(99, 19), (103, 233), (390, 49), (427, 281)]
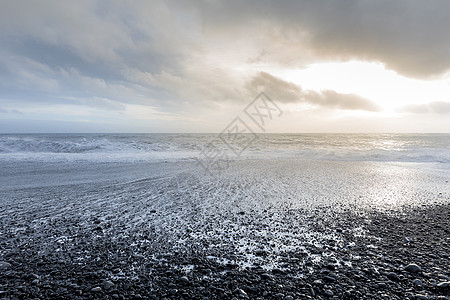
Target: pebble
[(442, 276), (392, 276), (317, 282), (417, 282), (107, 285), (413, 268), (421, 297), (5, 265), (241, 292), (184, 279), (277, 271), (173, 291), (443, 285), (96, 289), (329, 293)]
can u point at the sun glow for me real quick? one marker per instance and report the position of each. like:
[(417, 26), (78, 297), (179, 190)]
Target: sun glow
[(370, 80)]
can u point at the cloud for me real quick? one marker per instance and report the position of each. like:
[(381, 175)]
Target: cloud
[(283, 91), (332, 99), (185, 56), (10, 111), (288, 92), (437, 107), (409, 36)]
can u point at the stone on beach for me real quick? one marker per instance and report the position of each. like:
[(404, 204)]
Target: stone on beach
[(413, 268), (5, 265)]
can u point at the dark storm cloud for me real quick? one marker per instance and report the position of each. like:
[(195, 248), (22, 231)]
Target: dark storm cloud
[(436, 107), (409, 36), (288, 92)]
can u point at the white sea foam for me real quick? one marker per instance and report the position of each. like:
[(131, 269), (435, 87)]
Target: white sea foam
[(149, 147)]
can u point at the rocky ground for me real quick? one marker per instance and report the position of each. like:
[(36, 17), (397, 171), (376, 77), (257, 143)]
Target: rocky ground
[(402, 256), (149, 239)]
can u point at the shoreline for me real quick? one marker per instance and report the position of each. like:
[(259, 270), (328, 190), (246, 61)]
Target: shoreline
[(264, 230)]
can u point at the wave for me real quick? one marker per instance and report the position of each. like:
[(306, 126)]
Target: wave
[(32, 145), (104, 147)]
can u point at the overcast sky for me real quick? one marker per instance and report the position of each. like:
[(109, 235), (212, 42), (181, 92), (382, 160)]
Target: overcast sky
[(193, 66)]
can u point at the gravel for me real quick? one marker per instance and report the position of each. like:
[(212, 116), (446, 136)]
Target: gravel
[(118, 245)]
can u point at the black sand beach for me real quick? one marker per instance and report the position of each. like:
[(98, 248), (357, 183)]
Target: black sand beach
[(304, 231)]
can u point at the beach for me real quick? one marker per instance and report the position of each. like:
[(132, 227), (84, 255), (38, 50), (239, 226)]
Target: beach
[(278, 228)]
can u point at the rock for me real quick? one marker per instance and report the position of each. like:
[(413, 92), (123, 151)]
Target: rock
[(392, 276), (413, 268), (98, 229), (444, 277), (421, 297), (96, 289), (443, 285), (349, 293), (265, 276), (317, 282), (107, 285), (241, 213), (288, 298), (241, 293), (417, 282), (5, 265), (184, 279), (173, 291), (328, 293), (277, 271)]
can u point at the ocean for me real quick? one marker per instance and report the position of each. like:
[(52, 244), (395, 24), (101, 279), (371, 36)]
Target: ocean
[(433, 148), (301, 170)]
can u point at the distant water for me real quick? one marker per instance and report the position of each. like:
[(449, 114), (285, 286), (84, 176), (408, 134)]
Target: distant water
[(155, 147)]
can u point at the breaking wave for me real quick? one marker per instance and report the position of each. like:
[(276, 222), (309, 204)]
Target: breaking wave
[(341, 147)]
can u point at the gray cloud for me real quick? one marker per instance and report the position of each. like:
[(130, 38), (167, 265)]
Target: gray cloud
[(178, 56), (437, 107), (281, 90), (289, 92), (10, 111), (53, 50), (330, 98), (409, 36)]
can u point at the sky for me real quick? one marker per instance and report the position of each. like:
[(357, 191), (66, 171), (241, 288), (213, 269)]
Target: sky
[(193, 66)]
